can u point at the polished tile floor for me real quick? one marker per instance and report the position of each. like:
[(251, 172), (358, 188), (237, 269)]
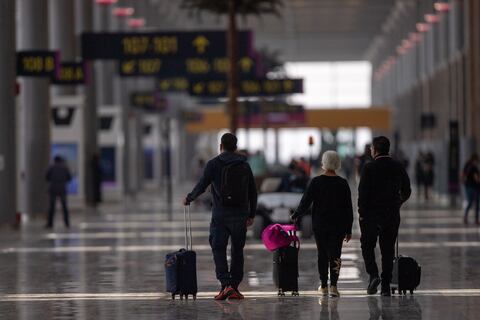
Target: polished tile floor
[(109, 265)]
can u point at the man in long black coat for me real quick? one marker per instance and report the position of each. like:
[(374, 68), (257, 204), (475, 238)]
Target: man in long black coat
[(384, 187)]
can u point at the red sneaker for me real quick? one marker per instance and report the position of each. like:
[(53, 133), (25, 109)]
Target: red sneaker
[(236, 295), (225, 293)]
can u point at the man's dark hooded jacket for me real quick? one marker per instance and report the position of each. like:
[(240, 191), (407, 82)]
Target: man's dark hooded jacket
[(213, 175)]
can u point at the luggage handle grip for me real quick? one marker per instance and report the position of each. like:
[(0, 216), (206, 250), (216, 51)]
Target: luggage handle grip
[(188, 228), (296, 241)]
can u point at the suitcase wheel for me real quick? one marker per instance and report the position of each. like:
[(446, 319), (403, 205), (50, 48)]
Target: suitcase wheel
[(173, 296), (295, 294), (281, 293)]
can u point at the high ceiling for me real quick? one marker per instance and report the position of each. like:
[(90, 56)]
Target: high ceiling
[(307, 30)]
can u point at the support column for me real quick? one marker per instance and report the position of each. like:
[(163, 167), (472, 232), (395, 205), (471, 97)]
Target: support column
[(104, 69), (35, 115), (121, 91), (277, 145), (473, 67), (8, 178), (84, 23), (62, 36)]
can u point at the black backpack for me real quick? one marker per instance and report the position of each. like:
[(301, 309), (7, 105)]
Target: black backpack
[(235, 184)]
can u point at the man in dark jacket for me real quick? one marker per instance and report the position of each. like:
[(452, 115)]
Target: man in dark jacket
[(58, 177), (384, 187), (229, 220)]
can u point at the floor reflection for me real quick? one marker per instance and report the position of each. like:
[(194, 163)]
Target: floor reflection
[(329, 308), (390, 308), (230, 310)]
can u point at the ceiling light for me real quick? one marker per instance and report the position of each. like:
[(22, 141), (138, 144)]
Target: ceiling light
[(106, 2), (123, 11), (423, 27), (406, 45), (432, 18), (136, 22), (442, 6), (415, 37)]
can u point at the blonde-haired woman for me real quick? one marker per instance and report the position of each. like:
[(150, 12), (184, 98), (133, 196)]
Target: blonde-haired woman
[(332, 216)]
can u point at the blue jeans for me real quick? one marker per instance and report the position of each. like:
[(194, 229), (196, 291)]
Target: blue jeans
[(472, 195), (220, 231)]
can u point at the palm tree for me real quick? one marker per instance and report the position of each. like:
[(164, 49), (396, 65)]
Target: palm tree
[(232, 8)]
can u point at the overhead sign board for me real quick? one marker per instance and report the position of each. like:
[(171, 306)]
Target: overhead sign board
[(248, 87), (161, 45), (149, 101), (71, 73), (188, 67), (38, 63)]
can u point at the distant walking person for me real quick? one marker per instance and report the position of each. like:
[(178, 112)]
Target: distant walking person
[(419, 171), (97, 178), (471, 180), (332, 216), (428, 173), (234, 204), (384, 187), (365, 158), (58, 177)]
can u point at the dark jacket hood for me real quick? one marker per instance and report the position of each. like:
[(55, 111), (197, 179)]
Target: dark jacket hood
[(231, 157)]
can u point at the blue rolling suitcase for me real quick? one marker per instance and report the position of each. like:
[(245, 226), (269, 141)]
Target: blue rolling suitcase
[(181, 266)]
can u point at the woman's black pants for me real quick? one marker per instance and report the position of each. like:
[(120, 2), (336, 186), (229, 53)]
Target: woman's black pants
[(329, 248)]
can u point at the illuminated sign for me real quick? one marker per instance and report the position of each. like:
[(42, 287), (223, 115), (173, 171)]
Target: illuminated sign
[(71, 73), (272, 113), (150, 101), (175, 84), (38, 63), (215, 88), (189, 67), (161, 45), (265, 107)]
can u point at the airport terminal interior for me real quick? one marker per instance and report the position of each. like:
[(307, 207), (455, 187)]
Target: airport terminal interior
[(111, 109)]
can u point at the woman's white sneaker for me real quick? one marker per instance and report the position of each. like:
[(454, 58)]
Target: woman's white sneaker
[(323, 291)]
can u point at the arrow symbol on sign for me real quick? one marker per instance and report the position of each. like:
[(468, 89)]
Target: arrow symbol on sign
[(246, 64), (198, 88), (201, 43), (164, 85), (128, 67)]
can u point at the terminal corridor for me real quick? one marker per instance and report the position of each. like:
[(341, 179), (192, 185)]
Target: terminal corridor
[(114, 114)]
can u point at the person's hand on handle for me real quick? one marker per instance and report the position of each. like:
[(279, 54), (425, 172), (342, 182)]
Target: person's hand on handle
[(186, 202), (294, 217), (348, 237), (250, 222)]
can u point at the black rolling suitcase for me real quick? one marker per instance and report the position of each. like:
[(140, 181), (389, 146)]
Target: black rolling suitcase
[(406, 274), (181, 266), (285, 269)]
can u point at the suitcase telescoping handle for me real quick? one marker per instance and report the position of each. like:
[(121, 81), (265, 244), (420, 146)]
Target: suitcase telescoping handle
[(188, 228), (396, 246)]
